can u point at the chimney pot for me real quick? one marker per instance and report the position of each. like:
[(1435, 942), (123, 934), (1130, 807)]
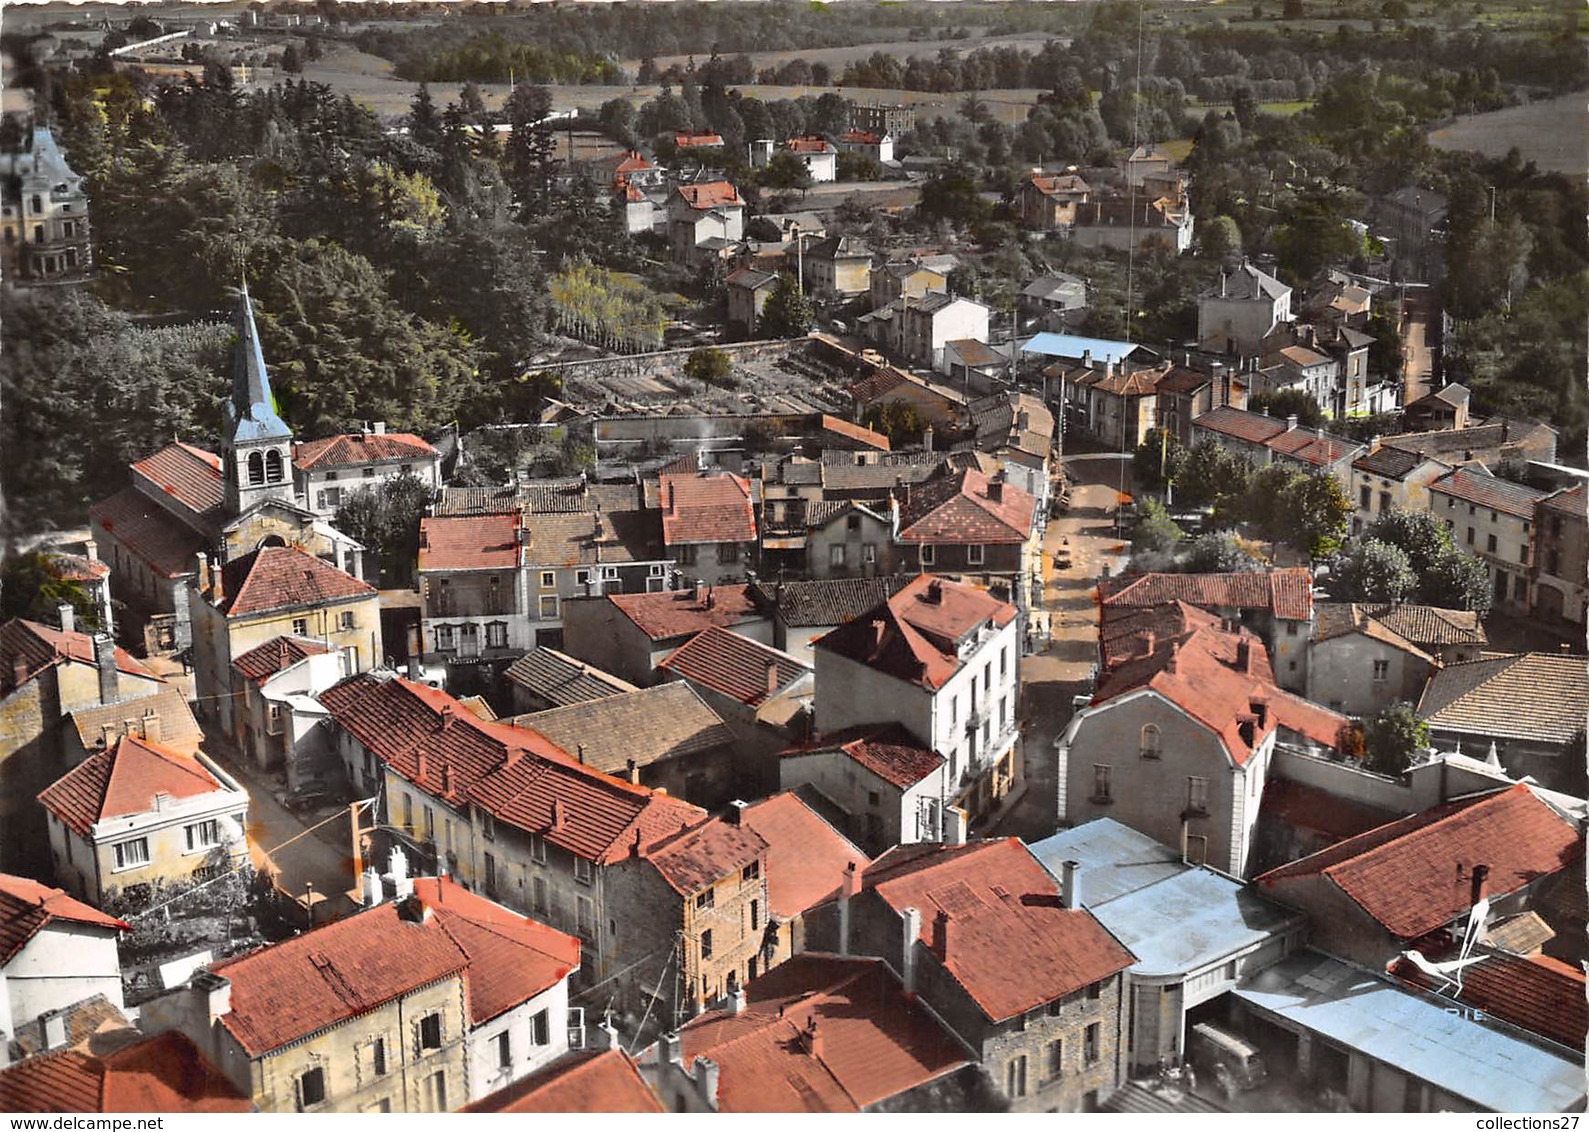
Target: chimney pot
[(1070, 884), (940, 935), (68, 617)]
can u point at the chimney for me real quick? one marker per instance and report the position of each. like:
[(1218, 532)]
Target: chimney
[(215, 992), (420, 768), (940, 935), (909, 933), (579, 753), (700, 461), (379, 428), (19, 672), (1023, 420), (634, 771), (996, 490), (736, 812), (557, 813), (397, 873), (736, 1002), (370, 887), (446, 716), (413, 909), (811, 1039), (204, 572), (1243, 656), (446, 779), (848, 887), (1070, 885), (68, 617), (772, 677), (105, 661), (54, 1028), (1481, 875), (926, 438), (91, 550), (672, 499), (955, 825), (700, 591), (1149, 640), (1173, 663), (933, 594), (1291, 422)]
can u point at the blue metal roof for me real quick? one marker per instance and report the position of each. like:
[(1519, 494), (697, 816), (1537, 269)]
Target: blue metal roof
[(1073, 346), (1418, 1035), (1114, 859)]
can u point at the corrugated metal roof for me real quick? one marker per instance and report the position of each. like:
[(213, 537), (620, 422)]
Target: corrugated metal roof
[(1418, 1035), (1074, 346)]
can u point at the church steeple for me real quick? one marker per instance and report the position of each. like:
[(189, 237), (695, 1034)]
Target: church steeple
[(257, 443)]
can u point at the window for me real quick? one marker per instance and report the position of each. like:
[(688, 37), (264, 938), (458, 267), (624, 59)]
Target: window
[(1100, 783), (1094, 992), (38, 202), (1363, 496), (537, 850), (685, 555), (430, 824), (1381, 671), (491, 873), (504, 1050), (1384, 501), (273, 472), (300, 626), (436, 1091), (852, 522), (836, 555), (204, 835), (369, 473), (727, 552), (954, 711), (1197, 795), (755, 915), (311, 1088), (1015, 1077), (583, 872), (1150, 741), (548, 579), (131, 854), (582, 577), (707, 899), (868, 553), (750, 872), (706, 944), (926, 554), (497, 634), (874, 798), (540, 1029), (584, 920), (609, 573), (1053, 1060), (1489, 544), (1004, 662), (538, 896), (548, 607), (974, 554), (256, 469), (1090, 1043), (1470, 536), (429, 1032), (378, 1057), (346, 620), (408, 814), (1472, 509)]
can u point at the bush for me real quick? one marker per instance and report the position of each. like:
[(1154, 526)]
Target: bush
[(709, 365)]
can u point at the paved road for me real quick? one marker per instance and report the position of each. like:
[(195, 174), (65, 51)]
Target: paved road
[(1421, 311)]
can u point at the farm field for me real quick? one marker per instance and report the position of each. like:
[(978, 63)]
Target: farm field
[(1553, 133), (837, 57)]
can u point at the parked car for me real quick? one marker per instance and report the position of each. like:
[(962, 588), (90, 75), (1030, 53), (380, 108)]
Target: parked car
[(1232, 1061)]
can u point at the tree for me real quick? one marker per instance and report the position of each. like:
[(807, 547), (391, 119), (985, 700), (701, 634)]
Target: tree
[(32, 586), (1373, 571), (1287, 403), (1418, 534), (1155, 460), (1392, 739), (1153, 532), (1217, 552), (424, 123), (709, 365), (385, 518), (785, 171), (788, 311), (951, 196), (1219, 237), (1207, 472), (1456, 580), (1316, 512)]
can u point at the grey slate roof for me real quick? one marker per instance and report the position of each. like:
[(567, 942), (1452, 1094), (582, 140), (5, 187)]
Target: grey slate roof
[(827, 602), (560, 679), (647, 725)]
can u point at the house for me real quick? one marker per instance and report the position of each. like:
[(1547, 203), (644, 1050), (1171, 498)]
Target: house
[(1053, 301), (840, 264), (1386, 479), (46, 675), (1417, 219), (281, 723), (973, 364), (588, 1081), (1194, 933), (1360, 666), (43, 214), (473, 582), (1357, 1037), (881, 117), (916, 329), (411, 1005), (898, 279), (748, 292), (1443, 408), (934, 405), (1371, 897), (808, 862), (138, 815), (1048, 201), (628, 634), (272, 592), (1147, 162), (629, 201), (804, 611), (708, 525), (1006, 958), (1528, 708), (544, 678), (1314, 450), (88, 571), (884, 786), (55, 951), (1560, 561), (1293, 358), (666, 738), (1184, 394), (697, 213), (697, 139), (821, 1034), (163, 717), (1277, 605), (165, 1073), (1117, 404), (326, 473), (846, 539), (1152, 224), (763, 695), (941, 659), (1244, 310), (1181, 731), (879, 147), (968, 522), (1492, 519), (633, 167), (1495, 442), (817, 154), (1451, 636)]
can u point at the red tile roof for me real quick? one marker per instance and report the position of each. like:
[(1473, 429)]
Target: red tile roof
[(1414, 875), (1050, 185), (513, 773), (191, 476), (122, 781), (891, 753), (284, 577), (704, 138), (512, 958), (806, 857), (676, 613), (78, 568), (1222, 680), (702, 508), (1570, 502), (958, 507), (585, 1082), (857, 136), (165, 1073), (1255, 428), (36, 647), (361, 448), (149, 533), (27, 908), (873, 1042), (1309, 447), (697, 858), (914, 635), (1540, 994), (478, 542), (712, 194), (866, 437), (632, 162), (734, 666), (1489, 491), (1286, 593), (1306, 807), (808, 144), (1010, 945), (262, 662)]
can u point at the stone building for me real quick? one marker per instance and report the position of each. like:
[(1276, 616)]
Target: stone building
[(44, 233)]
